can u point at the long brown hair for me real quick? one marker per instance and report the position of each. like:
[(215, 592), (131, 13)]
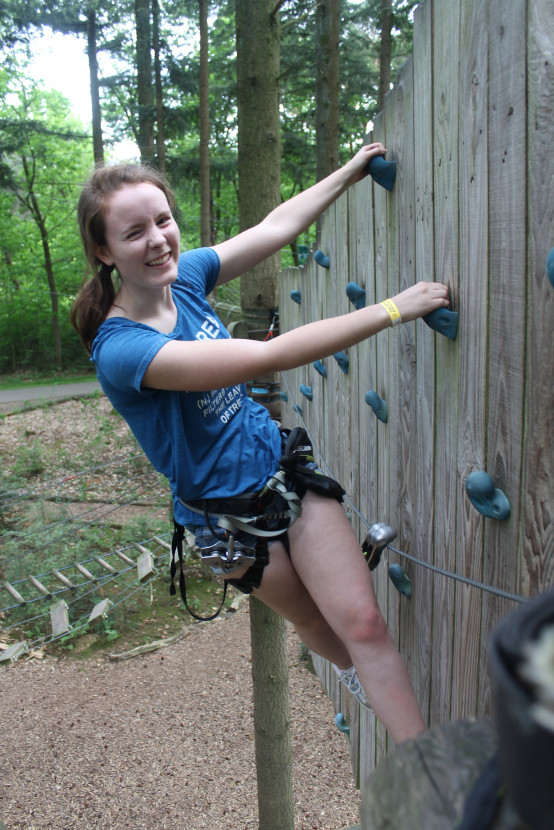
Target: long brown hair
[(98, 291)]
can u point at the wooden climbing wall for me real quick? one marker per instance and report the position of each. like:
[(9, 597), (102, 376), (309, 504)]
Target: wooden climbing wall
[(470, 125)]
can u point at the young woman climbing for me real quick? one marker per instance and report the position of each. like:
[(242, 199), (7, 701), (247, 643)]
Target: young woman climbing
[(264, 516)]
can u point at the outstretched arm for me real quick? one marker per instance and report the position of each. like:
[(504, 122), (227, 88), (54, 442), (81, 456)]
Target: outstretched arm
[(201, 365), (289, 219)]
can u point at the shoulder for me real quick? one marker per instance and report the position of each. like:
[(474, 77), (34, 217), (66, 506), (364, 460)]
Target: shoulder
[(199, 269)]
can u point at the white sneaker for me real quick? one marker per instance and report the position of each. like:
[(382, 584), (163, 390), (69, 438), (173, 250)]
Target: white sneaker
[(352, 683)]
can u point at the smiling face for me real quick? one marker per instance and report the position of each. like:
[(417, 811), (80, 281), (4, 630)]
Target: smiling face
[(142, 237)]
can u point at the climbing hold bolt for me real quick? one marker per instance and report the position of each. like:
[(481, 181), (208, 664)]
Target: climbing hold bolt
[(485, 497), (296, 296), (319, 367), (306, 391), (382, 171), (400, 580), (298, 408), (322, 259), (550, 266), (342, 724), (444, 321), (378, 405), (355, 294), (378, 537), (343, 361)]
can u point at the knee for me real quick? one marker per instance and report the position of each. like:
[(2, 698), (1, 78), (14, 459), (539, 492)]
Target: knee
[(367, 625)]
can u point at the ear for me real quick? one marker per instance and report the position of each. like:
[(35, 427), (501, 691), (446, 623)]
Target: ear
[(103, 255)]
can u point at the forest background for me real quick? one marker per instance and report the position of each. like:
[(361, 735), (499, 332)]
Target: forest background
[(163, 76)]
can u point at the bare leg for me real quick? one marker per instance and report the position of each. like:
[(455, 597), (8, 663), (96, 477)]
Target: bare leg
[(327, 557)]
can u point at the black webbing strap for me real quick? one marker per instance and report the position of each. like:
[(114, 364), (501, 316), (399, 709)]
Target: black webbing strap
[(177, 548)]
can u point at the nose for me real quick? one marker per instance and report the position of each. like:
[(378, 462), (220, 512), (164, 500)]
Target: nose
[(155, 236)]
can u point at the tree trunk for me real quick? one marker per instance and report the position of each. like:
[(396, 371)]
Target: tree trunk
[(97, 140), (271, 718), (385, 52), (327, 27), (204, 104), (145, 92), (259, 144), (160, 132)]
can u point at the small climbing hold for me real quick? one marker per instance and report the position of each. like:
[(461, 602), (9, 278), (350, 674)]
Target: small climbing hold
[(283, 396), (342, 724), (319, 367), (296, 296), (298, 408), (550, 266), (485, 497), (382, 171), (444, 321), (306, 391), (322, 259), (356, 294), (378, 405), (343, 361), (378, 537), (400, 580)]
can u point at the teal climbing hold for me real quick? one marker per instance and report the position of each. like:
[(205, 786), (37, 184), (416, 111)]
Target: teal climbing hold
[(378, 405), (283, 396), (322, 259), (306, 391), (444, 321), (356, 294), (382, 171), (298, 408), (296, 296), (400, 580), (550, 266), (343, 361), (321, 368), (485, 497), (342, 724)]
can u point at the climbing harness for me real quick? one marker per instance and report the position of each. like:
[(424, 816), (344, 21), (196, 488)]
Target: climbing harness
[(239, 529)]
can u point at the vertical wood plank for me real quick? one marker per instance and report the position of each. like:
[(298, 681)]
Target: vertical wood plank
[(445, 141), (536, 544), (506, 324), (472, 343)]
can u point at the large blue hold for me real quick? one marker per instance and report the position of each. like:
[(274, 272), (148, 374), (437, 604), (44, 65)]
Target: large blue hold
[(382, 171), (444, 321), (485, 497), (550, 266)]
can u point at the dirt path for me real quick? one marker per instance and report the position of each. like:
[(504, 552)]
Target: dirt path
[(163, 741)]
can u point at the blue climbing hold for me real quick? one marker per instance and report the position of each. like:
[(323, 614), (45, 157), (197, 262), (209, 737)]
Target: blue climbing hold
[(343, 361), (485, 497), (296, 296), (355, 294), (382, 171), (342, 724), (298, 408), (444, 321), (378, 405), (400, 580), (319, 367), (550, 266), (283, 396), (322, 259), (306, 391)]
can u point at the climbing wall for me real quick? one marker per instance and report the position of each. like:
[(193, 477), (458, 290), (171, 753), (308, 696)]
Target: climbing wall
[(469, 124)]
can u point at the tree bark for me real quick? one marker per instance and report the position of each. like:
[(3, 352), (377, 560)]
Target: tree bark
[(97, 140), (271, 718), (204, 106), (160, 131), (145, 92), (327, 27)]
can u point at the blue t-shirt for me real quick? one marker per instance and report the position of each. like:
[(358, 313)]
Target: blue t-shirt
[(208, 444)]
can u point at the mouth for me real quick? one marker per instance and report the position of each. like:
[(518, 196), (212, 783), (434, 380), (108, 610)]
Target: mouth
[(161, 260)]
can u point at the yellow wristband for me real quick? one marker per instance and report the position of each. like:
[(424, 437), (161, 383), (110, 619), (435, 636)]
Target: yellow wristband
[(390, 306)]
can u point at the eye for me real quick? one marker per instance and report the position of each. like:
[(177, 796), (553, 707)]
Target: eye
[(165, 219), (133, 234)]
